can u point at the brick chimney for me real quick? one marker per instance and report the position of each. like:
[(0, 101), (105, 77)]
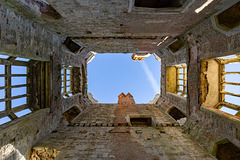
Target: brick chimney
[(125, 99)]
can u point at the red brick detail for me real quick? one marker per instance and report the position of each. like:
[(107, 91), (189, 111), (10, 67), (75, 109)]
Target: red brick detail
[(125, 99)]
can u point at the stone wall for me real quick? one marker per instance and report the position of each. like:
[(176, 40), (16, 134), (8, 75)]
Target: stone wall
[(112, 26), (204, 41), (214, 126), (93, 135), (21, 37)]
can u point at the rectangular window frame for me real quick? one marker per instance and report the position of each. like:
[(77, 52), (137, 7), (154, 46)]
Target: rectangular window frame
[(64, 81), (222, 84), (180, 92), (9, 111)]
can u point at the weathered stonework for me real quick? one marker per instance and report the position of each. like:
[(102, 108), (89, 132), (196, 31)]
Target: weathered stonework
[(37, 30), (21, 37), (93, 135), (43, 153), (204, 42)]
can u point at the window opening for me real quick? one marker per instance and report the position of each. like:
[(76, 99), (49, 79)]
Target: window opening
[(14, 97), (230, 84), (67, 81), (176, 114), (141, 122), (159, 3), (176, 46), (176, 79), (229, 19), (72, 46), (71, 113), (226, 150), (182, 80)]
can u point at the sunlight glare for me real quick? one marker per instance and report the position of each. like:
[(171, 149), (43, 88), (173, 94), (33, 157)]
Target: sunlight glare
[(203, 6)]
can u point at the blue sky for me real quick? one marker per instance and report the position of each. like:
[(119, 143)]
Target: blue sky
[(111, 74)]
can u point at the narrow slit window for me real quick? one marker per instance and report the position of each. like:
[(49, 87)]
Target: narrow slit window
[(66, 74)]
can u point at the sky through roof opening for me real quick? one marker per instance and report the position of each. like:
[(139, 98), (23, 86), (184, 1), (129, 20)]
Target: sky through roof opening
[(111, 74)]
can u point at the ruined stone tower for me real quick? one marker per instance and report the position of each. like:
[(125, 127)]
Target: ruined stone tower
[(45, 46)]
